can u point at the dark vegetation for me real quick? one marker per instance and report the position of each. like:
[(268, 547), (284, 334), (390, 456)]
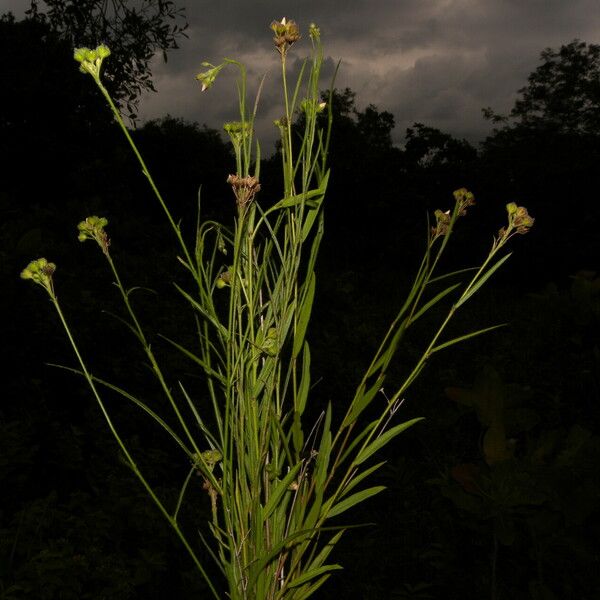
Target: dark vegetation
[(495, 496)]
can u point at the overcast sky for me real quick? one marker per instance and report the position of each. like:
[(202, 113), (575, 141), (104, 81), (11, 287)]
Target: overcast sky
[(432, 61)]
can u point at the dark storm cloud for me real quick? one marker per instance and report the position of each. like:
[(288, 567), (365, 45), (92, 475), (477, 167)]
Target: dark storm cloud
[(433, 61)]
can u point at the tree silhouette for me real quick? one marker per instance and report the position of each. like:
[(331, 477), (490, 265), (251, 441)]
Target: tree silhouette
[(134, 31), (562, 94), (546, 152)]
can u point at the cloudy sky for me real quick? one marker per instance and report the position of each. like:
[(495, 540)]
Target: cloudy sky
[(432, 61)]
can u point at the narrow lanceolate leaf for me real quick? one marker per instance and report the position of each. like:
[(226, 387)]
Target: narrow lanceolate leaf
[(326, 550), (309, 590), (304, 387), (220, 328), (383, 439), (279, 490), (269, 366), (433, 301), (354, 499), (312, 574), (382, 363), (452, 274), (304, 314), (483, 279), (208, 370), (322, 460), (312, 214), (311, 199), (133, 399), (292, 539), (462, 338), (358, 440), (362, 400), (360, 477)]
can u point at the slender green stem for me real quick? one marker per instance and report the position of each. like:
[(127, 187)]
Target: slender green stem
[(123, 448), (157, 370), (145, 171)]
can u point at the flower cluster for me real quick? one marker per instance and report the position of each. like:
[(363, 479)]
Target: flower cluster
[(310, 106), (236, 130), (442, 223), (286, 33), (443, 220), (519, 221), (224, 279), (207, 78), (464, 199), (518, 218), (282, 124), (244, 188), (91, 60), (93, 229), (314, 32), (40, 271)]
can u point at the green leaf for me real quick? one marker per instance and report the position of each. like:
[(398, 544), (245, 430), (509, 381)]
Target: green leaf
[(133, 399), (383, 439), (279, 490), (269, 365), (220, 328), (362, 400), (434, 301), (447, 275), (312, 574), (208, 370), (361, 477), (304, 387), (311, 589), (312, 214), (311, 199), (384, 360), (324, 453), (296, 537), (326, 550), (465, 337), (483, 279), (304, 314), (354, 499), (358, 439)]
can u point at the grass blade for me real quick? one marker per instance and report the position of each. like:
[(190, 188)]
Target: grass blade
[(383, 439), (354, 499), (483, 279), (462, 338)]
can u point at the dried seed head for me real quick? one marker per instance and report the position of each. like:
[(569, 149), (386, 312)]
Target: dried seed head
[(464, 198), (442, 223), (286, 33), (519, 218), (244, 189)]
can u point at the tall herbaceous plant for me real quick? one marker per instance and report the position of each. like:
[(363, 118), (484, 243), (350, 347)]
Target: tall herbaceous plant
[(276, 482)]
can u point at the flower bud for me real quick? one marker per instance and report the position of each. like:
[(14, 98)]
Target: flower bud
[(103, 51), (80, 53)]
